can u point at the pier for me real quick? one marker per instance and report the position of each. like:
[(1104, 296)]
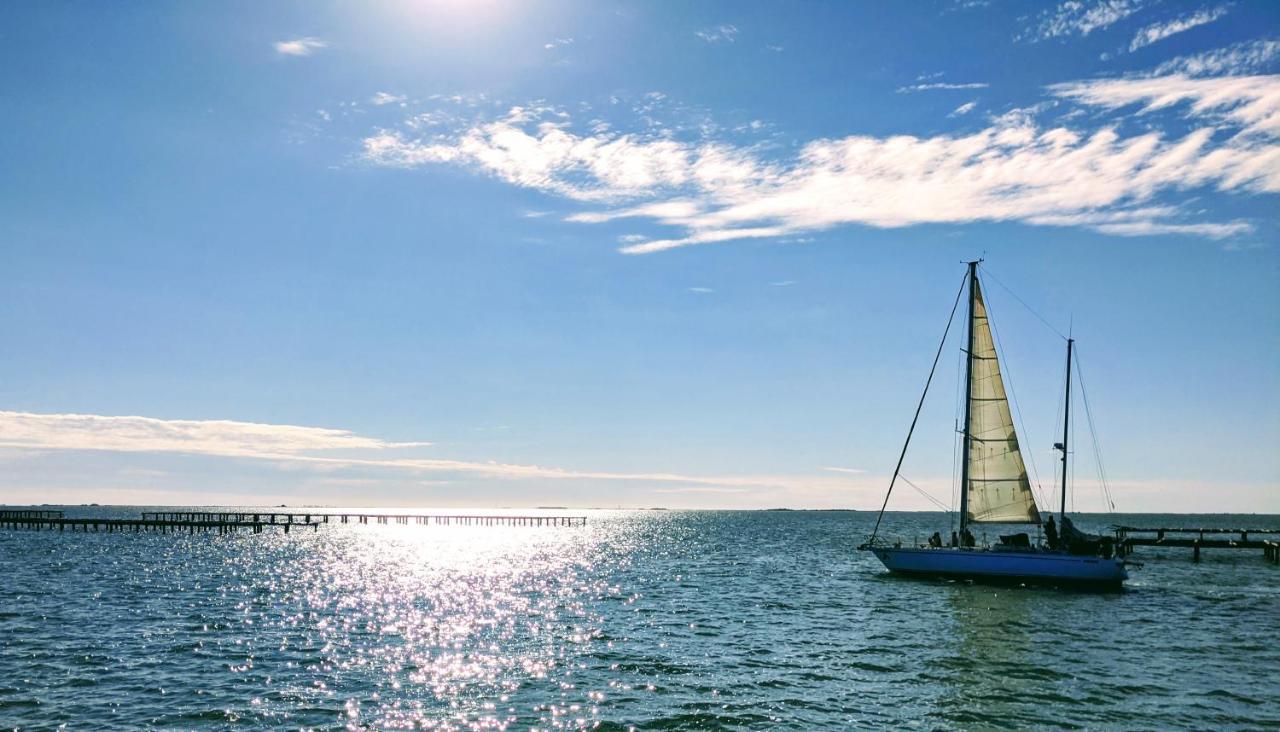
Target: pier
[(227, 522), (365, 518), (1197, 539), (39, 523), (23, 513)]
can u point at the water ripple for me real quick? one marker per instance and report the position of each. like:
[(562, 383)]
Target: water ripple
[(670, 620)]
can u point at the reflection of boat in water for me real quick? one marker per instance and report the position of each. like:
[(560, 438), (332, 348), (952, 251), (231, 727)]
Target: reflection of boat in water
[(994, 488)]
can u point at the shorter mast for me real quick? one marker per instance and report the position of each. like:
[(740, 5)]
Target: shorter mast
[(1066, 431), (968, 402)]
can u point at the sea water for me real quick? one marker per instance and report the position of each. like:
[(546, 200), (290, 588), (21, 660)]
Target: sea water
[(646, 619)]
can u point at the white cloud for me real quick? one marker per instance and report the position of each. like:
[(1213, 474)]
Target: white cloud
[(782, 283), (1252, 102), (300, 46), (851, 471), (701, 290), (1160, 31), (775, 48), (293, 445), (963, 109), (1078, 17), (1013, 170), (1235, 60), (941, 85), (722, 33), (208, 437), (382, 98), (557, 42)]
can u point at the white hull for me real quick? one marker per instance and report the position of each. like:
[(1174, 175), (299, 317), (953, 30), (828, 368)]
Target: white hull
[(980, 564)]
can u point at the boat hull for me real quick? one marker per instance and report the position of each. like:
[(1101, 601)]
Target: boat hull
[(1035, 567)]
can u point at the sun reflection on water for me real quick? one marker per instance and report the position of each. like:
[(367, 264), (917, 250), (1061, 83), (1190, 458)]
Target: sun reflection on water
[(456, 618)]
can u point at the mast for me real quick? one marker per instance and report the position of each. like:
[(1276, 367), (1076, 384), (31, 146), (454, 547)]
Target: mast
[(1066, 431), (968, 401)]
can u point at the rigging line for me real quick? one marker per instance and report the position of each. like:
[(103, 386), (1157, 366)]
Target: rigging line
[(1093, 434), (1007, 372), (924, 493), (1024, 304), (950, 318)]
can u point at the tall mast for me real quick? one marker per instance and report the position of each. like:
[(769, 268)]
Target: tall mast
[(968, 401), (1066, 431)]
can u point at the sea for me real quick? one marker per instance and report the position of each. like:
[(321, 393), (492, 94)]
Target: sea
[(638, 620)]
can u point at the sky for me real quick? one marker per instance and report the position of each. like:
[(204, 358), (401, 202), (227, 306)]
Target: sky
[(485, 253)]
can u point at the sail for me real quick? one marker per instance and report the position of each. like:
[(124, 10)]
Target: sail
[(999, 491)]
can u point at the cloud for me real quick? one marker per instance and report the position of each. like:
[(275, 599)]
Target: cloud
[(851, 471), (382, 98), (557, 42), (1160, 31), (701, 490), (1235, 60), (782, 283), (316, 447), (1077, 17), (300, 46), (1251, 102), (722, 33), (1013, 170), (207, 437), (963, 109), (701, 290), (941, 85)]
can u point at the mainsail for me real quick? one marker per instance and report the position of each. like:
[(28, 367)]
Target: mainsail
[(999, 491)]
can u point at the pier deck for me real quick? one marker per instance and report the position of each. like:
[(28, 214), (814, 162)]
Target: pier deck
[(365, 518), (143, 524), (26, 513), (1194, 538)]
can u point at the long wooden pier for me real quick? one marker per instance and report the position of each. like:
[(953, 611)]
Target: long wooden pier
[(137, 525), (224, 522), (443, 519), (1195, 539), (24, 513)]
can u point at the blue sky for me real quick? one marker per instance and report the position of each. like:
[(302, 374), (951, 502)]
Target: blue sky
[(601, 254)]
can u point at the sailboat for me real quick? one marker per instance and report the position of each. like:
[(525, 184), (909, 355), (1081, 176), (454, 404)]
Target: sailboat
[(994, 487)]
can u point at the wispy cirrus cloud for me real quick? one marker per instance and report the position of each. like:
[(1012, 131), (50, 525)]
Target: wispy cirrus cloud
[(941, 85), (1250, 102), (557, 43), (724, 33), (1016, 169), (300, 46), (1240, 59), (1079, 17), (383, 98), (1159, 31), (208, 437), (32, 433)]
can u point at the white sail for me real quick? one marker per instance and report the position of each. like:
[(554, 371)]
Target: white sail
[(999, 491)]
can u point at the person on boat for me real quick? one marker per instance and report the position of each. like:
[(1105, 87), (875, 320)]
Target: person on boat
[(969, 541), (955, 542), (1051, 533), (935, 541)]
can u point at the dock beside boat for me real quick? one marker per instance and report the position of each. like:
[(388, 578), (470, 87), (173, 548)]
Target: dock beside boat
[(1199, 538)]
